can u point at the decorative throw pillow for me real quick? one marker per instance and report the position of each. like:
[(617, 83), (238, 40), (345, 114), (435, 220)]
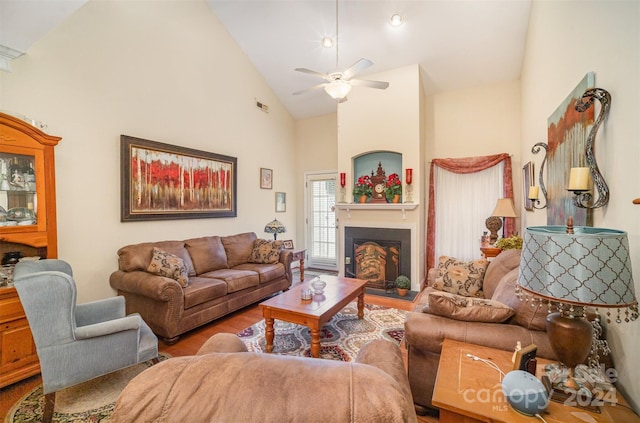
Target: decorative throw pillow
[(169, 265), (265, 251), (459, 277), (468, 309)]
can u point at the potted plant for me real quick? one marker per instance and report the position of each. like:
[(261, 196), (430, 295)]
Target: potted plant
[(512, 242), (403, 284), (393, 188), (363, 188)]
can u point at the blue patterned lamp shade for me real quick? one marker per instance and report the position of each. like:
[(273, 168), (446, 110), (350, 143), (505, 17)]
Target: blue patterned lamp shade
[(275, 227), (590, 267)]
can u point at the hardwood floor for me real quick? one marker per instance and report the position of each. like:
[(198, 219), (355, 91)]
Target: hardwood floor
[(189, 344)]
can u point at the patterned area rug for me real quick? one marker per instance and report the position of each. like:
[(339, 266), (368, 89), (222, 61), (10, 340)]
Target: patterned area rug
[(340, 339), (92, 401)]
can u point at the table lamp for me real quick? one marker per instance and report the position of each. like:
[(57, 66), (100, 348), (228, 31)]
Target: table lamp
[(275, 227), (570, 269), (504, 208)]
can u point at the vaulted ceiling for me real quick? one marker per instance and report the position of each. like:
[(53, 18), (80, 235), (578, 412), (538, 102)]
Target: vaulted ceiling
[(457, 43)]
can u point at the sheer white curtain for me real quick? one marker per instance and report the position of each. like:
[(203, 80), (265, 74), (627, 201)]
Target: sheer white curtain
[(464, 201)]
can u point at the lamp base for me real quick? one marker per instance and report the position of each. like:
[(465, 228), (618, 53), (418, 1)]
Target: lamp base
[(493, 223), (570, 340)]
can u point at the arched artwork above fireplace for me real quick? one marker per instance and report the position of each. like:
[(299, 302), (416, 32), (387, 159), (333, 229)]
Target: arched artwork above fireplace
[(366, 163)]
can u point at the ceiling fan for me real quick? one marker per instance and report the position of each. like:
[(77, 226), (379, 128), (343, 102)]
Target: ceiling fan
[(339, 84)]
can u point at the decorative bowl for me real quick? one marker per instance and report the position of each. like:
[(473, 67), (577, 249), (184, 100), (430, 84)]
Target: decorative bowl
[(20, 213), (318, 285)]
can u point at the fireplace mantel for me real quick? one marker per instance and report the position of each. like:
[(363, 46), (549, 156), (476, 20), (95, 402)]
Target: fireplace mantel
[(377, 206)]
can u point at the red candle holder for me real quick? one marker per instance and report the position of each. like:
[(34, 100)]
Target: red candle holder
[(408, 176), (343, 179)]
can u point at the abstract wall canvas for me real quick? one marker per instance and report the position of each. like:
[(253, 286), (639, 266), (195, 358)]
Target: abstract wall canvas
[(567, 131), (163, 181)]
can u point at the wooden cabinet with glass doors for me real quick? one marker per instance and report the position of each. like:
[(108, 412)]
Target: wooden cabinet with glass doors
[(27, 227)]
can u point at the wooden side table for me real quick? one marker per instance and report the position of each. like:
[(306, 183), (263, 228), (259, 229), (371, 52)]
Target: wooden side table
[(299, 255), (490, 252), (470, 391)]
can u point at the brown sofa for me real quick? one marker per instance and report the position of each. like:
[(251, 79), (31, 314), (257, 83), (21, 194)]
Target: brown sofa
[(221, 279), (224, 383), (425, 332)]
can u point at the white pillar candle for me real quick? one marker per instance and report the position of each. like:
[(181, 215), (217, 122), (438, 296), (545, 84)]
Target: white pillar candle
[(533, 192), (579, 179)]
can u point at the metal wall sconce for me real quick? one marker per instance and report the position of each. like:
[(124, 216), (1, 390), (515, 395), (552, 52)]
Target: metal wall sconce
[(582, 197), (536, 202)]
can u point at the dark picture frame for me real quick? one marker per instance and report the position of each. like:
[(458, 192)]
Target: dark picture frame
[(527, 182), (281, 202), (287, 244), (524, 356), (161, 181), (266, 178)]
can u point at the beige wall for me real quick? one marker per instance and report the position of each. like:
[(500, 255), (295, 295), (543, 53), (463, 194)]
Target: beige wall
[(165, 71), (477, 121), (565, 41), (316, 152), (385, 120)]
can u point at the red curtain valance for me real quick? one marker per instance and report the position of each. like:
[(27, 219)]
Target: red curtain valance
[(465, 165)]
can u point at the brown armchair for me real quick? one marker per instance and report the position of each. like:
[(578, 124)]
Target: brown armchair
[(225, 383), (426, 332)]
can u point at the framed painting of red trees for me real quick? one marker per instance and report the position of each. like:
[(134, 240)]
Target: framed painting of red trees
[(162, 181)]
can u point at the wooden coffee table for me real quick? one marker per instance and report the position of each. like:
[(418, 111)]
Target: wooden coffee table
[(468, 391), (289, 306)]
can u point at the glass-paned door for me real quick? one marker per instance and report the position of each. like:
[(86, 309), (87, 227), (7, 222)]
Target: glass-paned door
[(322, 232)]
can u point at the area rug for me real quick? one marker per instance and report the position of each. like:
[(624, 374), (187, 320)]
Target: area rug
[(340, 339), (92, 401)]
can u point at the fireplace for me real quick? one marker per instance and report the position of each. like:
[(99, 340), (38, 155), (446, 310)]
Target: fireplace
[(377, 255)]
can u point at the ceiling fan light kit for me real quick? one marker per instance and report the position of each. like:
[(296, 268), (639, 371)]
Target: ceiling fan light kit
[(339, 84), (338, 89)]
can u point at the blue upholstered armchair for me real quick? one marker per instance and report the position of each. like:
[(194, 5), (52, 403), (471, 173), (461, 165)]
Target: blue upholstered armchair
[(76, 343)]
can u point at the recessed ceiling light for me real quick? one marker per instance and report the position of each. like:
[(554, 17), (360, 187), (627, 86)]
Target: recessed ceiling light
[(396, 19), (327, 42)]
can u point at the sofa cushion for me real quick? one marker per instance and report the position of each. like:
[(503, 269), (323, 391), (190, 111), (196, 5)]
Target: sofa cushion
[(138, 256), (201, 290), (266, 272), (468, 309), (236, 279), (207, 254), (459, 277), (238, 248), (525, 315), (502, 264), (265, 251), (169, 265)]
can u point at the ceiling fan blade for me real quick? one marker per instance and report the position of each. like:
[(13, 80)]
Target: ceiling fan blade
[(356, 68), (381, 85), (313, 88), (312, 72)]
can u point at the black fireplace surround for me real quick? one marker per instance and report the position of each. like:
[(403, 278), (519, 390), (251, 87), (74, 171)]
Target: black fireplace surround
[(382, 236)]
